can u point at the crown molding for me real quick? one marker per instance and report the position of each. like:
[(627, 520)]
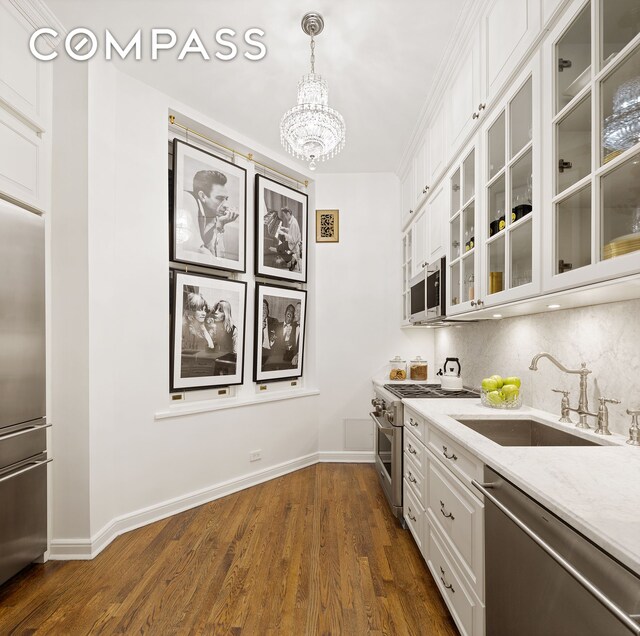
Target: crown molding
[(38, 15), (470, 15)]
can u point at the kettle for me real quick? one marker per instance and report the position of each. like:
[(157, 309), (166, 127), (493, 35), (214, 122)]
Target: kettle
[(450, 379)]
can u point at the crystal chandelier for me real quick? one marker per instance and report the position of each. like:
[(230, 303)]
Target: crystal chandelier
[(312, 130)]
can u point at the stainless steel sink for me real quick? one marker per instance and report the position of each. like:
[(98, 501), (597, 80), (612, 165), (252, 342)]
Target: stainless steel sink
[(523, 433)]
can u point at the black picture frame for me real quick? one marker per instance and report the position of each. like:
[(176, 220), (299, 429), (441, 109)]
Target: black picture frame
[(199, 361), (278, 254), (285, 357), (199, 234)]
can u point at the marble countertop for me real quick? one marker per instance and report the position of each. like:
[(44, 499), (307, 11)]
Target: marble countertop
[(595, 489)]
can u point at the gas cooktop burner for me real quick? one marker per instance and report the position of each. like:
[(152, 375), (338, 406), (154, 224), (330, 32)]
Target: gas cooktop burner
[(427, 391)]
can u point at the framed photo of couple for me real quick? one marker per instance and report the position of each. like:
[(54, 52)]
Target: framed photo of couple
[(281, 231), (207, 331), (280, 330), (209, 216)]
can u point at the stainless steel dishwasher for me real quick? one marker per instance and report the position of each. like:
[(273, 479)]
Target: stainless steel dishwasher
[(542, 578)]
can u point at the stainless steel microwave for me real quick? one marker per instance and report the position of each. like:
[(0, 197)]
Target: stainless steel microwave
[(427, 294)]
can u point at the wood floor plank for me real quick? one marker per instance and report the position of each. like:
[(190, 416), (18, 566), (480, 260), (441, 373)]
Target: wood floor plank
[(313, 552)]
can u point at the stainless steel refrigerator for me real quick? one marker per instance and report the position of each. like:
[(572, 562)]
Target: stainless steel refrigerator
[(23, 434)]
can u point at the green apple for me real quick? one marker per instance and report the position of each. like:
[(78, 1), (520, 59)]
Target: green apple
[(498, 379), (514, 379), (510, 392), (489, 384), (494, 397)]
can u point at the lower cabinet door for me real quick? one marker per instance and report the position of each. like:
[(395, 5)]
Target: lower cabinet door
[(467, 611), (414, 516)]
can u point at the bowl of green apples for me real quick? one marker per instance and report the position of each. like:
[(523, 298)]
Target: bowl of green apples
[(501, 393)]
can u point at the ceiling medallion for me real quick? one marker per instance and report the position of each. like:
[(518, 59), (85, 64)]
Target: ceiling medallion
[(312, 130)]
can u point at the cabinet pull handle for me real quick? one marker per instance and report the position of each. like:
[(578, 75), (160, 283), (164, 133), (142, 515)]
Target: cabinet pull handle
[(411, 449), (412, 423), (411, 478), (445, 514), (411, 516), (448, 586), (445, 450)]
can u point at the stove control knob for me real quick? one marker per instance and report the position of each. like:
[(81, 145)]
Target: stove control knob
[(375, 402), (389, 416)]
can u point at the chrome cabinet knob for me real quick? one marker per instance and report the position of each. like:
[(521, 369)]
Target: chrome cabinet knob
[(481, 107), (475, 115)]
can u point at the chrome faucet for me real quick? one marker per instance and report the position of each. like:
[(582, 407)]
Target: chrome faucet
[(583, 372)]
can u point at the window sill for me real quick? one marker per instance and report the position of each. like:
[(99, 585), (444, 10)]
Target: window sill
[(190, 408)]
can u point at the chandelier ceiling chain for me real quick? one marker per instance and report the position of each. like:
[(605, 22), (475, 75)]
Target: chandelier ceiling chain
[(312, 130)]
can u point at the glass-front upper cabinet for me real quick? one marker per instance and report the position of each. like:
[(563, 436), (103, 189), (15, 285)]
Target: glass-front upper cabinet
[(463, 254), (592, 60), (510, 172), (407, 266)]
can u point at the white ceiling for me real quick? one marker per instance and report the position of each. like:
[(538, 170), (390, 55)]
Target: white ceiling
[(380, 58)]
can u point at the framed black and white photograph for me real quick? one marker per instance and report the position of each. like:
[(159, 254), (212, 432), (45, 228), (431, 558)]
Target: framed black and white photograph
[(281, 231), (207, 331), (208, 220), (280, 326)]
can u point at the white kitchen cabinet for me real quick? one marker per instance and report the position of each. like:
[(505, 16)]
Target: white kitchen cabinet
[(510, 225), (407, 206), (25, 113), (407, 265), (436, 212), (463, 262), (22, 161), (420, 172), (465, 98), (24, 82), (445, 518), (419, 231), (435, 148), (508, 32), (592, 161)]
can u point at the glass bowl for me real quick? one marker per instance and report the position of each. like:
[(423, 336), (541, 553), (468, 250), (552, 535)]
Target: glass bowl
[(510, 404)]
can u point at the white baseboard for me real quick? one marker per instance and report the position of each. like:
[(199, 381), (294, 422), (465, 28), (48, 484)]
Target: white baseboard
[(83, 549), (351, 457)]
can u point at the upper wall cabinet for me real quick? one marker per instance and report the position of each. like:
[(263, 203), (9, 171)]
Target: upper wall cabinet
[(592, 120), (509, 29), (464, 97), (22, 81), (407, 204), (435, 148), (25, 111)]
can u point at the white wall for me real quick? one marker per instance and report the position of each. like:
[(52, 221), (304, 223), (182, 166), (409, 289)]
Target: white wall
[(110, 330), (359, 305), (603, 336)]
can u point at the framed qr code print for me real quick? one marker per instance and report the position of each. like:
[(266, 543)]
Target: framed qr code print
[(327, 226)]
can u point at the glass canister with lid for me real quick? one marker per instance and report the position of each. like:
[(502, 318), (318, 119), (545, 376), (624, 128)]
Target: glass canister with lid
[(397, 368), (418, 369)]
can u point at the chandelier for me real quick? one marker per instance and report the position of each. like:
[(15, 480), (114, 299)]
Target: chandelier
[(312, 130)]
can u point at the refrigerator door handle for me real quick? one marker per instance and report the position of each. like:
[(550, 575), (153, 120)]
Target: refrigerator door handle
[(26, 469), (25, 431)]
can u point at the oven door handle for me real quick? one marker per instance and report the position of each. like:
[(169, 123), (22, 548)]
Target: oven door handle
[(617, 611), (384, 429)]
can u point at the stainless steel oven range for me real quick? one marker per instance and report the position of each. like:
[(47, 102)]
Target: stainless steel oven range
[(388, 415)]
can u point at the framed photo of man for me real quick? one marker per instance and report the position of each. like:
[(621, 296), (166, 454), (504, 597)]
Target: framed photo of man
[(207, 331), (280, 326), (281, 231), (208, 220)]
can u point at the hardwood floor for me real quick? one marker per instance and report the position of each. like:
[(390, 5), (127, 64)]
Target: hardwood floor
[(314, 552)]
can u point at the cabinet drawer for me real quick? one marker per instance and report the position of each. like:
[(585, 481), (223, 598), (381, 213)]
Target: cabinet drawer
[(466, 610), (414, 515), (414, 477), (414, 423), (460, 518), (452, 455), (415, 450)]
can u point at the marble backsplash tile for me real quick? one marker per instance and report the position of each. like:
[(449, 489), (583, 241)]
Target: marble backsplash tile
[(606, 337)]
